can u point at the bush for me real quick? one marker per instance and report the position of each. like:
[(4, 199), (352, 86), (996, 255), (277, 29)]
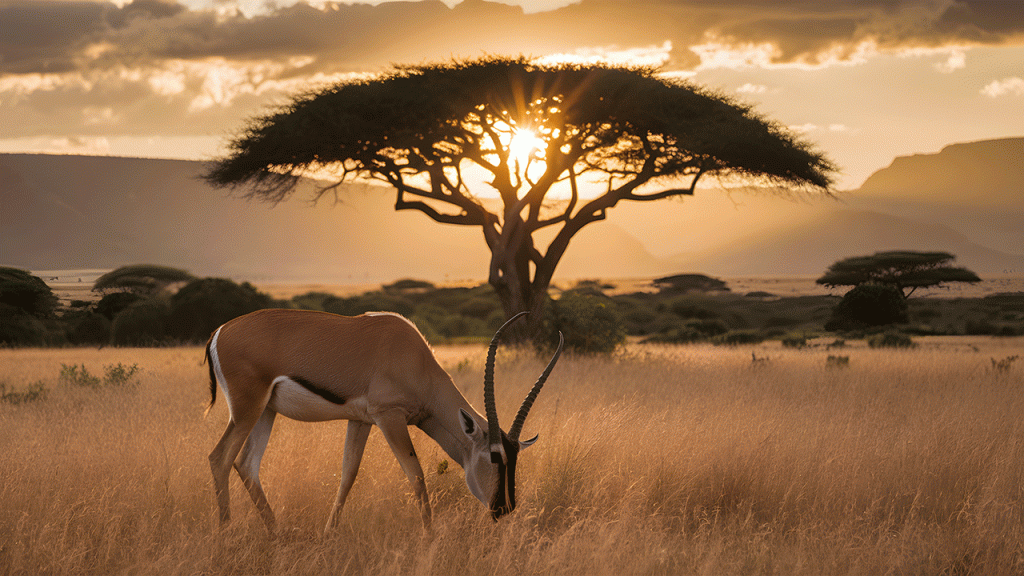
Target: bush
[(27, 293), (794, 342), (18, 328), (141, 324), (869, 305), (203, 305), (115, 375), (35, 391), (589, 323), (87, 328), (112, 304), (890, 340), (368, 302), (738, 337)]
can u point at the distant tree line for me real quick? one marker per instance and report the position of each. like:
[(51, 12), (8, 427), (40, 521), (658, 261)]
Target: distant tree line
[(156, 306)]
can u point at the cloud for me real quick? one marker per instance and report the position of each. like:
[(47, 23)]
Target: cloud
[(55, 36), (749, 88), (1010, 86), (118, 69)]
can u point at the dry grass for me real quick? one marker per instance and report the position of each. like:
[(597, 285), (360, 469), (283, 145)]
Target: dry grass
[(689, 460)]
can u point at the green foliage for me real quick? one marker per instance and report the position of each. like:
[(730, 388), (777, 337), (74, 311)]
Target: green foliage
[(589, 323), (794, 342), (369, 302), (87, 328), (834, 361), (26, 293), (738, 337), (891, 340), (1003, 365), (869, 305), (901, 269), (33, 393), (115, 376), (110, 305), (75, 375), (18, 328), (144, 279), (202, 305), (142, 324)]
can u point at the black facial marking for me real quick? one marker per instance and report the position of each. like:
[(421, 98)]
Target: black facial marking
[(506, 478), (321, 392)]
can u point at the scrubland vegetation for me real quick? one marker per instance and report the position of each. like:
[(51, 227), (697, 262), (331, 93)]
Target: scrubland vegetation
[(595, 317), (827, 458)]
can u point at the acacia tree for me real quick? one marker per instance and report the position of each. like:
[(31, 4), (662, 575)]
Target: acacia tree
[(542, 135), (142, 279), (905, 270)]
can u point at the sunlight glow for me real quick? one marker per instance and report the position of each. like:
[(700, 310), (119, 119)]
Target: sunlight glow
[(525, 146)]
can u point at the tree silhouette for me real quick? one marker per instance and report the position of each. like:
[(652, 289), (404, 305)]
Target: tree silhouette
[(901, 269), (142, 279), (543, 137)]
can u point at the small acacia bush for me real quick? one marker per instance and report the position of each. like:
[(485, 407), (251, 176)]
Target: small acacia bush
[(144, 323), (34, 392), (890, 340), (869, 305), (589, 323), (203, 305), (115, 376)]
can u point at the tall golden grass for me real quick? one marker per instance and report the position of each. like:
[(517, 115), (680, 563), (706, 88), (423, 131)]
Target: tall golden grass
[(675, 460)]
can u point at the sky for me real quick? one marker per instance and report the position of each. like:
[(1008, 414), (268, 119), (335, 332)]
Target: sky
[(865, 80)]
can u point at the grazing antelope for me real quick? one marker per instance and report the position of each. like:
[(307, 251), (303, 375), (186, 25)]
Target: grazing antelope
[(370, 369)]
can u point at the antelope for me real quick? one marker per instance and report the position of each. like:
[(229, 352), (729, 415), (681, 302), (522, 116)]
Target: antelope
[(372, 369)]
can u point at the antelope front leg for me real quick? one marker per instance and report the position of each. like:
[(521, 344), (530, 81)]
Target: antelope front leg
[(355, 442), (396, 431)]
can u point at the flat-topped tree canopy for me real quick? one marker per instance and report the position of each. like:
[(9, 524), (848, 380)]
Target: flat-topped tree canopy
[(530, 128)]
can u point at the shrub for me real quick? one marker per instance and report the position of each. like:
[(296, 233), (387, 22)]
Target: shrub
[(869, 305), (203, 305), (794, 342), (837, 361), (112, 304), (27, 293), (890, 340), (18, 328), (35, 391), (311, 300), (88, 328), (368, 302), (115, 375), (141, 324), (738, 337), (589, 323)]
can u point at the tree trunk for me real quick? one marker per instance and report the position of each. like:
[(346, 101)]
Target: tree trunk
[(517, 293)]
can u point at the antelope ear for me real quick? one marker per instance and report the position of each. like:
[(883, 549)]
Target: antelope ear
[(524, 444), (469, 426)]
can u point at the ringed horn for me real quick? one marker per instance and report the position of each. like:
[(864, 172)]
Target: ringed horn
[(498, 455)]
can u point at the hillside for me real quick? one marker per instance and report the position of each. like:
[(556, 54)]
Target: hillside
[(69, 212), (63, 212)]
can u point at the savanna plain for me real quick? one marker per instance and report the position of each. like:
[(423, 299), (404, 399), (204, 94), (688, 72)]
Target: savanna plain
[(688, 459)]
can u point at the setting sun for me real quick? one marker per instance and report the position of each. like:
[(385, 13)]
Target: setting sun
[(526, 147)]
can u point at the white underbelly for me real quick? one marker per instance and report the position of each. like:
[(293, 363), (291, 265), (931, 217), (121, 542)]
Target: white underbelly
[(293, 400)]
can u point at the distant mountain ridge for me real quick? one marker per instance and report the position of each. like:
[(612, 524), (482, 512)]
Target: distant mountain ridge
[(995, 167), (61, 212)]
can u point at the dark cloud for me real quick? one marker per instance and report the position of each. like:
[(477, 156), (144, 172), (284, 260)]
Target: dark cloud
[(57, 36)]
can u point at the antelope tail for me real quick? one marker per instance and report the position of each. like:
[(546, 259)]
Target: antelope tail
[(213, 375)]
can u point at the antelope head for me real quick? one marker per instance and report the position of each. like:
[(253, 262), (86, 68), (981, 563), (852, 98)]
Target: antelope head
[(491, 467)]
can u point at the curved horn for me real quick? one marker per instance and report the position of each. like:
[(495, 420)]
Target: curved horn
[(493, 430), (517, 424)]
